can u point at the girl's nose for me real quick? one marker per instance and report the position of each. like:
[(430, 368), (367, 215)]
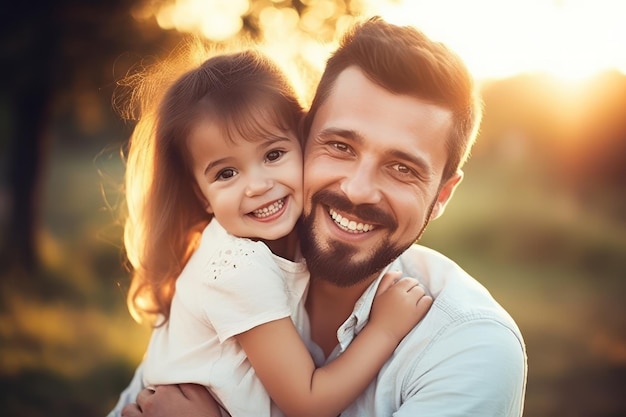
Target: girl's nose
[(258, 185)]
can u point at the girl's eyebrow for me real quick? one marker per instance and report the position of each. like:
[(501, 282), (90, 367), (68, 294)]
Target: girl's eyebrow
[(273, 139), (213, 164)]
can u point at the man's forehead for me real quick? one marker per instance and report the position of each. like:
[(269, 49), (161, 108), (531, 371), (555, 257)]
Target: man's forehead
[(348, 80), (355, 97)]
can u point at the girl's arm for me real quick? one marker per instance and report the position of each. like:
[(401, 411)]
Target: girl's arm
[(286, 369)]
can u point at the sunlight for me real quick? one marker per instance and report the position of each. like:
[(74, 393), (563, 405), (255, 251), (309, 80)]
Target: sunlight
[(298, 54), (571, 39), (217, 20)]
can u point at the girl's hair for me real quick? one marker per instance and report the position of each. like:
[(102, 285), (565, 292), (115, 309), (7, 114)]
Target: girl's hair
[(240, 92)]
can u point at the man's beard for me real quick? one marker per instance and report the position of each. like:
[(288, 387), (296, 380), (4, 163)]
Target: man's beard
[(335, 263)]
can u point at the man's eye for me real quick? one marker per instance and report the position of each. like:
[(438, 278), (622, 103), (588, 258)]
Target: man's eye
[(226, 174), (340, 146), (274, 155), (404, 170)]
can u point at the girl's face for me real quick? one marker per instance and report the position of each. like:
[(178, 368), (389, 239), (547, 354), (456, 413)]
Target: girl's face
[(252, 187)]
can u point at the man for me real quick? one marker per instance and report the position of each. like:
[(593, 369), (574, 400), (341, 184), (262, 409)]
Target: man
[(390, 127)]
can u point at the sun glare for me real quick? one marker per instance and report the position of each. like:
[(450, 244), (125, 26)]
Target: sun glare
[(571, 39), (217, 20)]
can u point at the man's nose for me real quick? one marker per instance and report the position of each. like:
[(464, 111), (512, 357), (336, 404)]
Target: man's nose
[(362, 185)]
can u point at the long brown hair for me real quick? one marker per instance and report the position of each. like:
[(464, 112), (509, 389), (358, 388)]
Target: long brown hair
[(165, 216)]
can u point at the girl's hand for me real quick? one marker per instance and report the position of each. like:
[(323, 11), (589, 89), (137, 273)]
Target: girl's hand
[(399, 305)]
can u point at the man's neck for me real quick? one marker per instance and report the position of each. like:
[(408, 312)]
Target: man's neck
[(328, 307), (285, 247)]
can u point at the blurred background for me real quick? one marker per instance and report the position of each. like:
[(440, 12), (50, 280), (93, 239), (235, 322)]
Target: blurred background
[(540, 218)]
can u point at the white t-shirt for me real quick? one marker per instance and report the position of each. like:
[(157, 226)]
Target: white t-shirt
[(229, 286)]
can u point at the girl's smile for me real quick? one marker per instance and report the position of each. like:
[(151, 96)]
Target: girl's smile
[(270, 211)]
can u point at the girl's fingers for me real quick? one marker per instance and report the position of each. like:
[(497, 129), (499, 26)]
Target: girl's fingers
[(389, 279)]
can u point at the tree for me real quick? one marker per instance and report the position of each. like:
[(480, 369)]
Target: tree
[(43, 46)]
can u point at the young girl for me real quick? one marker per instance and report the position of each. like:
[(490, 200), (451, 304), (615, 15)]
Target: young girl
[(221, 155)]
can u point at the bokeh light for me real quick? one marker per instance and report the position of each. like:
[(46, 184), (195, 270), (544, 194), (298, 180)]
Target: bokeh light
[(572, 39)]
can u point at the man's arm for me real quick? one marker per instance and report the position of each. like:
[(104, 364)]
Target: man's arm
[(129, 394)]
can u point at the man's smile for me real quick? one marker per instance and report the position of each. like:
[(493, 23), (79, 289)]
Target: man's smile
[(351, 226)]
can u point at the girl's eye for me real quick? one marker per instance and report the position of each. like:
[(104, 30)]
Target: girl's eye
[(274, 155), (226, 174)]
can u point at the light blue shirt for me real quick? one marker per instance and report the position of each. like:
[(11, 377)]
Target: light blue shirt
[(465, 358)]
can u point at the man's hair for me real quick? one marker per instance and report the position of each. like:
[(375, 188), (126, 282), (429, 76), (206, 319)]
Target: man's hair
[(403, 60)]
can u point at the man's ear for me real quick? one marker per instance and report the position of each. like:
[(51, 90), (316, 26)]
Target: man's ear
[(445, 194), (202, 199)]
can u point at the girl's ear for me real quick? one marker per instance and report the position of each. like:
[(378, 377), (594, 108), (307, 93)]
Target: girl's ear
[(445, 194), (205, 203)]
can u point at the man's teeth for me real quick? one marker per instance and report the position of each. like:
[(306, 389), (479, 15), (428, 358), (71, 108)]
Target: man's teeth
[(349, 225), (269, 210)]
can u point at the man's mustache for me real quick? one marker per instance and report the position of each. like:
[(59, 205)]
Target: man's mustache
[(368, 213)]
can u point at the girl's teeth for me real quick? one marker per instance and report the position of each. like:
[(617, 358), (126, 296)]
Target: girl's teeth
[(269, 210), (349, 225)]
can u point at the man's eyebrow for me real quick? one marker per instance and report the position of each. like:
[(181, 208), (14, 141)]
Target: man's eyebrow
[(343, 133), (354, 136), (412, 159)]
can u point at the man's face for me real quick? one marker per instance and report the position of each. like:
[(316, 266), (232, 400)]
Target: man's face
[(372, 171)]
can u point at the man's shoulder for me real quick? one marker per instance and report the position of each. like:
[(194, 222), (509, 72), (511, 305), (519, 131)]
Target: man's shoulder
[(458, 296), (454, 347), (432, 268)]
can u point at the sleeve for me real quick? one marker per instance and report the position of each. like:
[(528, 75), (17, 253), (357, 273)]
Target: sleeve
[(246, 293), (477, 369), (129, 395)]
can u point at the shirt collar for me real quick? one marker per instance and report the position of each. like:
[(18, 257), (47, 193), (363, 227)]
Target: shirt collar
[(360, 315)]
